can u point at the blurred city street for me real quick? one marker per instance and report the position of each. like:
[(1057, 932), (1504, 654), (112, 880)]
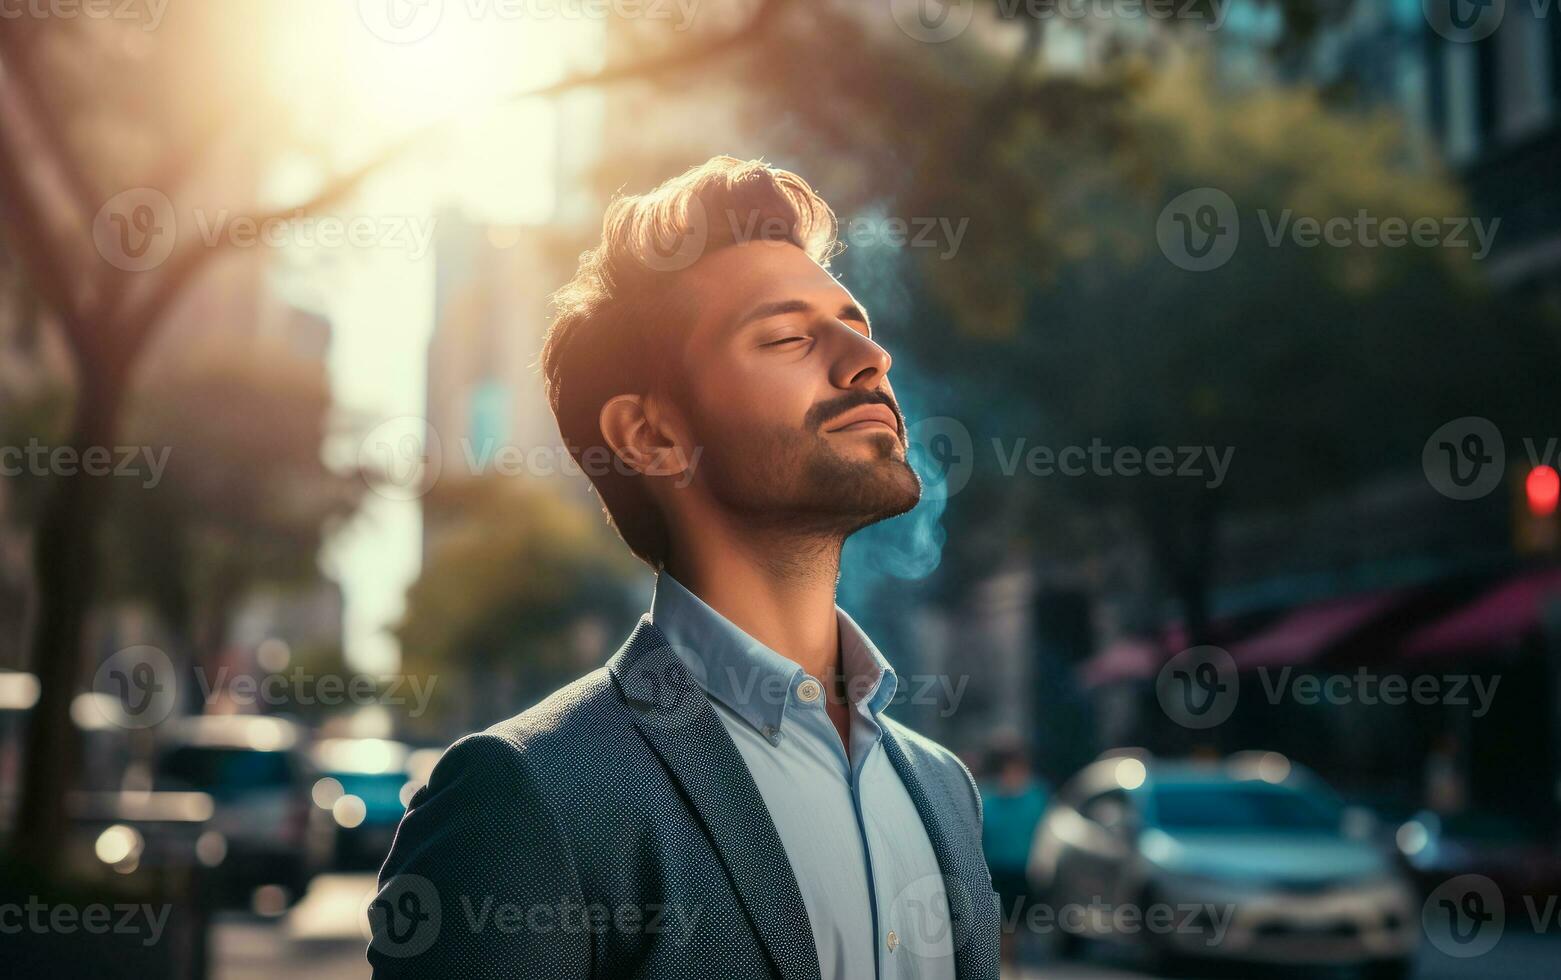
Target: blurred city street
[(1521, 957), (323, 937), (1211, 515)]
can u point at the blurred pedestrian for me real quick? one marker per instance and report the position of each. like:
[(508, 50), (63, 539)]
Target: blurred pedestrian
[(1446, 789), (1013, 800)]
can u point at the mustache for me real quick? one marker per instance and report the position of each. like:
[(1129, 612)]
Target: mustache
[(824, 412)]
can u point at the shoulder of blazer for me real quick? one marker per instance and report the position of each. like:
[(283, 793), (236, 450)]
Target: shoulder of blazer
[(570, 732), (936, 761), (543, 747), (555, 747), (579, 705), (568, 755)]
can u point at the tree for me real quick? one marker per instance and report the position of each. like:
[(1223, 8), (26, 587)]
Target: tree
[(92, 177), (245, 497), (58, 186)]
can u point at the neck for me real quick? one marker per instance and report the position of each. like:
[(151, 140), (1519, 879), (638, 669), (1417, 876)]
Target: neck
[(779, 588)]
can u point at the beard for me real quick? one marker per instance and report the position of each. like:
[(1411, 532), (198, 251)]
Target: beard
[(794, 480)]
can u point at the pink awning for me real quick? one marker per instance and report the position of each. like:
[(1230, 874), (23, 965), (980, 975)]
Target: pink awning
[(1498, 619), (1306, 634), (1123, 660)]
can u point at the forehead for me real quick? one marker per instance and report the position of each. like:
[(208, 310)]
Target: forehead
[(726, 284)]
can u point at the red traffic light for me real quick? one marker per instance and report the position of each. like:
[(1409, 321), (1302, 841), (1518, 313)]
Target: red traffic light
[(1543, 489)]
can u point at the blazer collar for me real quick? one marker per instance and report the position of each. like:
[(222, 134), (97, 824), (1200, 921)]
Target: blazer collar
[(675, 717)]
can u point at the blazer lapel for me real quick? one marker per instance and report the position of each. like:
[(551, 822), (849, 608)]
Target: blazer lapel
[(961, 880), (676, 718)]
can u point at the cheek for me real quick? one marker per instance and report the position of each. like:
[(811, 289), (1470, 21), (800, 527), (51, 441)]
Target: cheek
[(779, 394), (747, 396)]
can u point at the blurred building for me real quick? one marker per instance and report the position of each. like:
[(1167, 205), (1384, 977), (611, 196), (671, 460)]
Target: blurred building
[(1488, 108), (1384, 574), (488, 410), (491, 301)]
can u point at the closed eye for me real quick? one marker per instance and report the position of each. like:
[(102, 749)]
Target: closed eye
[(784, 340)]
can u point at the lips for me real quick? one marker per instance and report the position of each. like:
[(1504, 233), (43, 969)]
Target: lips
[(866, 418)]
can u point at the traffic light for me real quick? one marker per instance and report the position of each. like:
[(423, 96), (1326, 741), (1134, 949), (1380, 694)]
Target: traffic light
[(1534, 513), (1542, 488)]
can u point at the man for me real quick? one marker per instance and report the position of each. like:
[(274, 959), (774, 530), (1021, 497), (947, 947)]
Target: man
[(725, 798), (1013, 801)]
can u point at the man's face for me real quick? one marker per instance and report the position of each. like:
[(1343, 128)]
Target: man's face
[(788, 396)]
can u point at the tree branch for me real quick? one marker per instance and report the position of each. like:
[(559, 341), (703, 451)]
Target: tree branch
[(20, 68), (39, 250), (186, 265), (174, 173)]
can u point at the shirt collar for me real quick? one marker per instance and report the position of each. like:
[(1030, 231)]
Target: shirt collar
[(746, 676), (871, 681)]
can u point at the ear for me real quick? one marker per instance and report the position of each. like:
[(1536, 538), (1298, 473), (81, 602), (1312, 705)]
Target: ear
[(641, 434)]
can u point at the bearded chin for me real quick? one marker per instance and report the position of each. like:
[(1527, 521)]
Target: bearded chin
[(800, 481)]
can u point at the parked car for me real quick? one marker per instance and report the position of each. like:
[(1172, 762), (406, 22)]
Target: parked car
[(364, 785), (258, 775), (1250, 860)]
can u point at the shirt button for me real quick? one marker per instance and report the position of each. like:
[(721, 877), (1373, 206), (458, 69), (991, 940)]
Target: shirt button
[(809, 690), (893, 940)]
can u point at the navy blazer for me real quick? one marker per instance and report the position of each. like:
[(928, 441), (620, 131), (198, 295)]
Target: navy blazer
[(614, 831)]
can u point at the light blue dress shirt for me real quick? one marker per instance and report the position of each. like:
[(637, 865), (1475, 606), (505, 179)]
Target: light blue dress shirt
[(868, 876)]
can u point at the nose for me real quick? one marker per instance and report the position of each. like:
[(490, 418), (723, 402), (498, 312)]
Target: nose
[(858, 361)]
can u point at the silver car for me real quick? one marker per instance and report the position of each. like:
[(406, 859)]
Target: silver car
[(1250, 859)]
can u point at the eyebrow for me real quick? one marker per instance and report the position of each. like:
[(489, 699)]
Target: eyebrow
[(848, 311)]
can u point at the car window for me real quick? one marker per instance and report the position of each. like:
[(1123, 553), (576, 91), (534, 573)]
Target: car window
[(1242, 806), (223, 772)]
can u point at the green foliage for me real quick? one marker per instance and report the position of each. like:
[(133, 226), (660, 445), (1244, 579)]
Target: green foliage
[(511, 571), (1319, 365)]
